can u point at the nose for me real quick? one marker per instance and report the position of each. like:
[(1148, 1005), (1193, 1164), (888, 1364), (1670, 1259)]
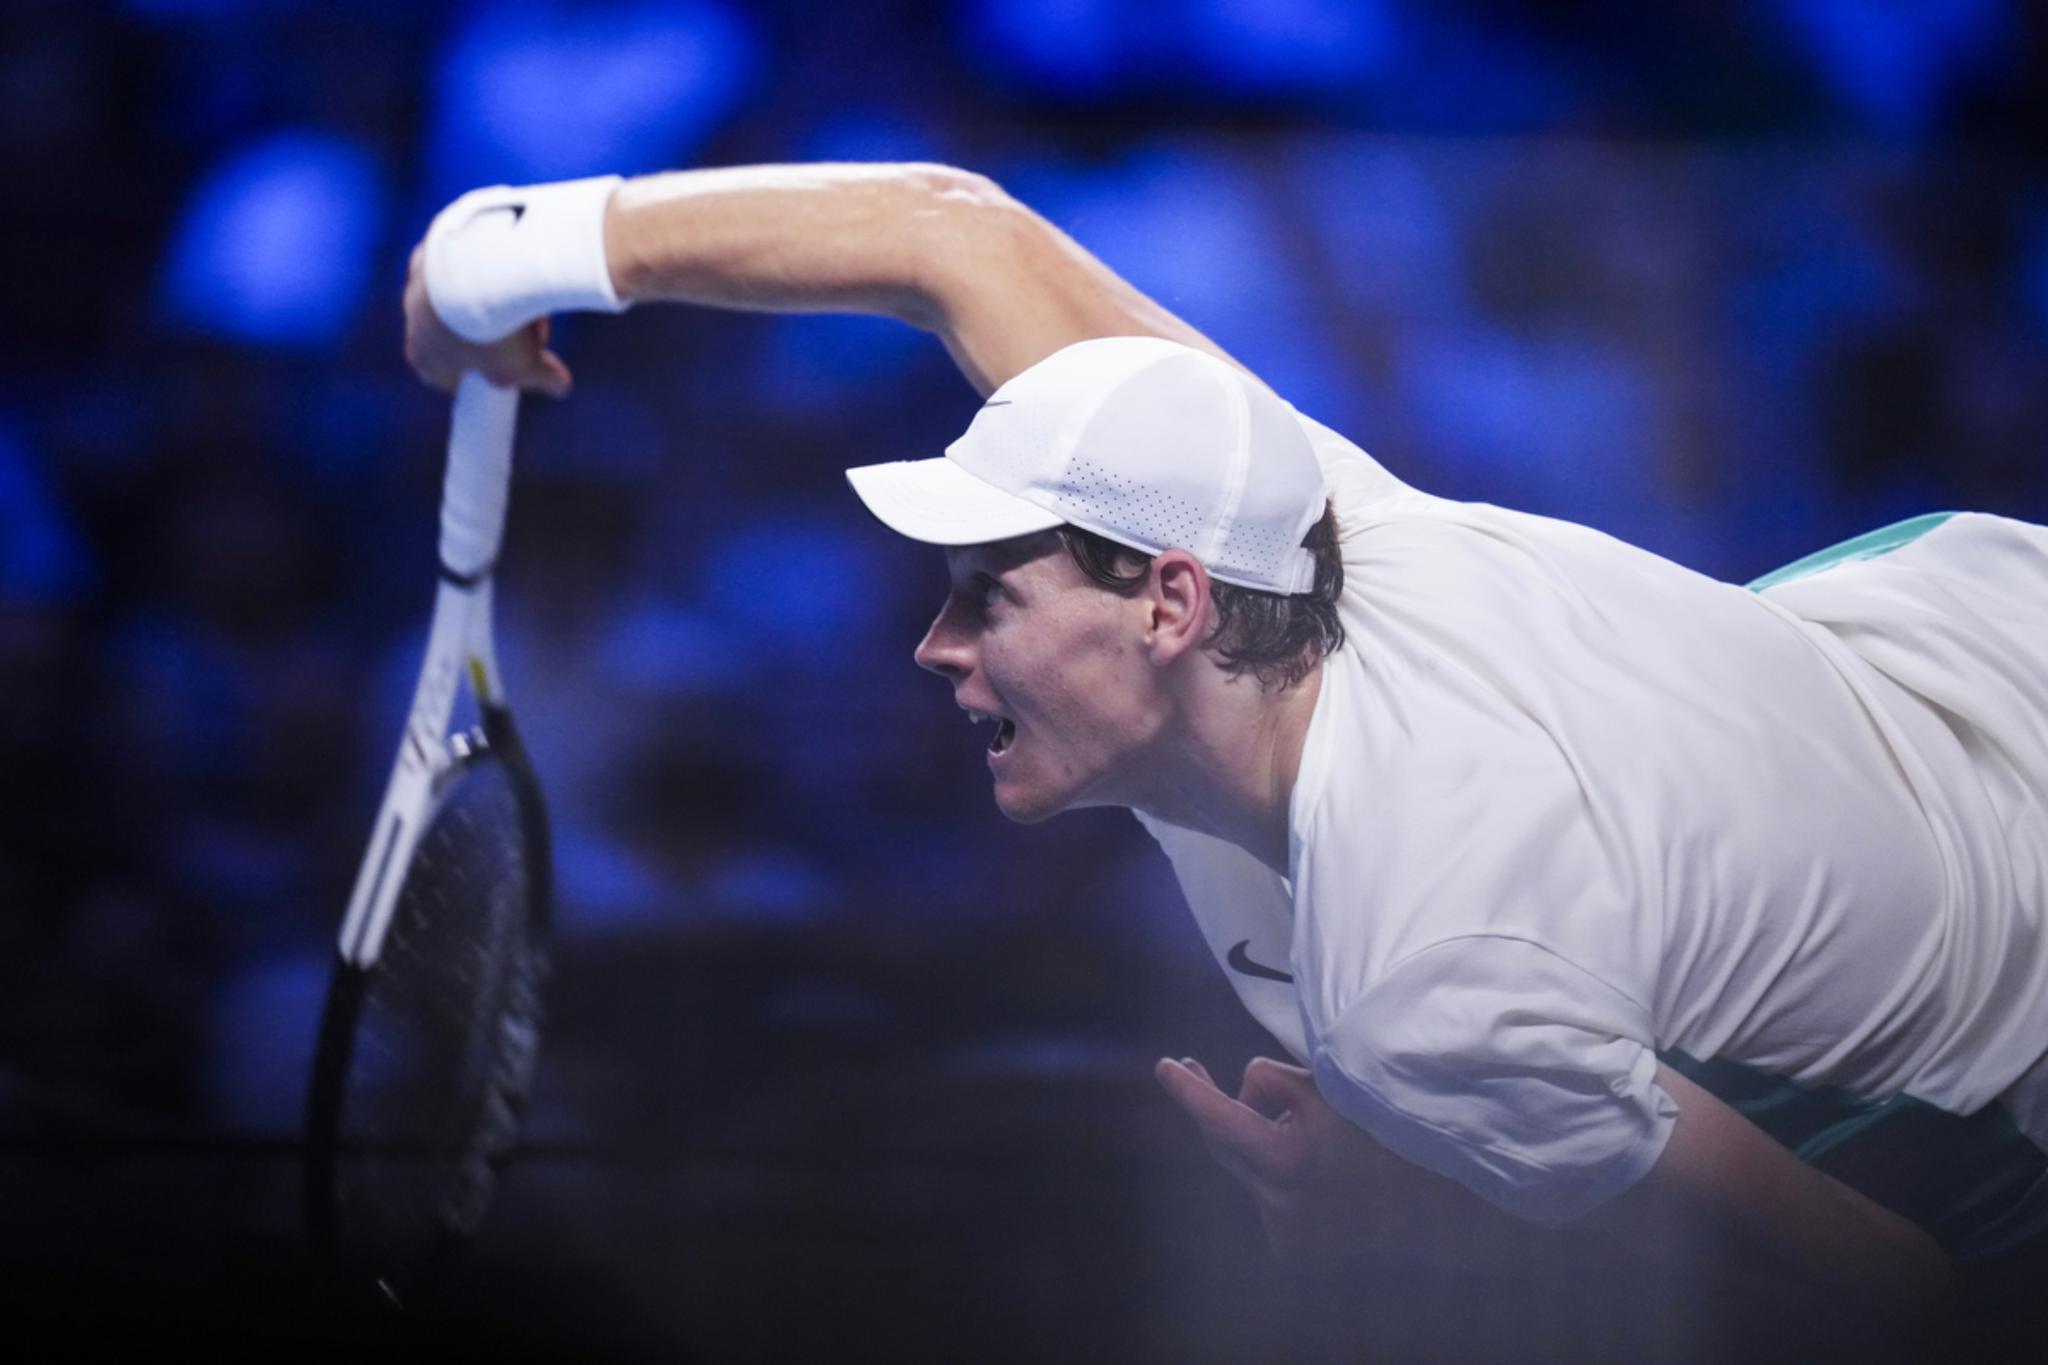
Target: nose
[(948, 647)]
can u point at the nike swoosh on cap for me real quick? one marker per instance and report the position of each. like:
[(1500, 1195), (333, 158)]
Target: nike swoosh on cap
[(1241, 961)]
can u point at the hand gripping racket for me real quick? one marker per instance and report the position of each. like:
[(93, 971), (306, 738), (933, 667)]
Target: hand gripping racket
[(427, 1042)]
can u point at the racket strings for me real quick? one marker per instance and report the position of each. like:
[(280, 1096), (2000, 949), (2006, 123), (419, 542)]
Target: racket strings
[(448, 1030)]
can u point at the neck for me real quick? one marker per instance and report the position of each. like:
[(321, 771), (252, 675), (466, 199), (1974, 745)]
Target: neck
[(1230, 765)]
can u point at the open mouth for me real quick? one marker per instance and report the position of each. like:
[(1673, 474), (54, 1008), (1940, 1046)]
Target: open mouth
[(1006, 730)]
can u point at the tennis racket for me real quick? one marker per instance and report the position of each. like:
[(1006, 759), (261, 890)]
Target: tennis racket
[(428, 1038)]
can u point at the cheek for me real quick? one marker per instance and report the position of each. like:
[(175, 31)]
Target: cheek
[(1093, 689)]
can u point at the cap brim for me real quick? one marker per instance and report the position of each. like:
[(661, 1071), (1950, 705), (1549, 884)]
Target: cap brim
[(939, 503)]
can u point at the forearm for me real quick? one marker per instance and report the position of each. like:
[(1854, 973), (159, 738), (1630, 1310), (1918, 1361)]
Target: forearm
[(1751, 1313), (801, 238), (1728, 1234), (942, 249), (1723, 1193), (1687, 1295), (1867, 1253)]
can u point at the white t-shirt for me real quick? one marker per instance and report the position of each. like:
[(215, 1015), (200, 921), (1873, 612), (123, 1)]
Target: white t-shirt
[(1564, 803)]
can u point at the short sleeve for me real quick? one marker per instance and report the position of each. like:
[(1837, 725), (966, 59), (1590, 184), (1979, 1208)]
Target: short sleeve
[(1504, 1066)]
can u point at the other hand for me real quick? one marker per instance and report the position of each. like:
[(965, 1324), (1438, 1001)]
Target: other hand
[(1319, 1181)]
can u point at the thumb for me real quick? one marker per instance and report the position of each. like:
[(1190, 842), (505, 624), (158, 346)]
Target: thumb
[(1288, 1098), (1273, 1088), (553, 378), (544, 370)]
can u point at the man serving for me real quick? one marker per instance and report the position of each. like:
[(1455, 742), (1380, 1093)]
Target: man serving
[(1493, 817)]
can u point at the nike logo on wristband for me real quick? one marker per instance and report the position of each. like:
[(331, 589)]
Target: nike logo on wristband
[(1004, 403), (1241, 961), (517, 210)]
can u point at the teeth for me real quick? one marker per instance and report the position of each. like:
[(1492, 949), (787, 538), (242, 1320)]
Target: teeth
[(1005, 730)]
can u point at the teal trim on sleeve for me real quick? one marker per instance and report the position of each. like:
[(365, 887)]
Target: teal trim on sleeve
[(1869, 545)]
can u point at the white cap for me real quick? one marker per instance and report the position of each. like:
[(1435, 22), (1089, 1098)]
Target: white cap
[(1151, 443)]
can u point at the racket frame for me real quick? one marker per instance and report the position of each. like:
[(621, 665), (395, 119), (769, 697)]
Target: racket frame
[(460, 647), (460, 650)]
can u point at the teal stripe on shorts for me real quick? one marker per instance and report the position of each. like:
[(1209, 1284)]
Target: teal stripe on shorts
[(1869, 545), (1975, 1182)]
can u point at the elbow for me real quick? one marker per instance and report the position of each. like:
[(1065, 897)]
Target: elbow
[(967, 238), (957, 188)]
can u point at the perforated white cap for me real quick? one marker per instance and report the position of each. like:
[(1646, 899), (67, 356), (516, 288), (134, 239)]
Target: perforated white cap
[(1151, 443)]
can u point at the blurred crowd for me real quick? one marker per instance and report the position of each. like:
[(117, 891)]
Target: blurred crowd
[(1731, 281)]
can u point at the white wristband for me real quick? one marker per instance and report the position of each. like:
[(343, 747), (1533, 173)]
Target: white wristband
[(498, 258)]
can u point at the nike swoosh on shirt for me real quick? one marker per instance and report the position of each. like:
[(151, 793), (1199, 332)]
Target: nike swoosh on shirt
[(1241, 961)]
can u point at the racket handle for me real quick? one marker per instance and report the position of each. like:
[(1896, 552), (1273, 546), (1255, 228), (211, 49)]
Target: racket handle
[(479, 473)]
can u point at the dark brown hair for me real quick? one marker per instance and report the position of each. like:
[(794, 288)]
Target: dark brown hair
[(1275, 637)]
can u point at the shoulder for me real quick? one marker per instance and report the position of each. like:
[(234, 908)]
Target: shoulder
[(1354, 480), (1442, 831)]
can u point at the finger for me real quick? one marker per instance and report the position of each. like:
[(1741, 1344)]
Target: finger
[(1222, 1119), (514, 366), (1189, 1085), (431, 361), (1274, 1088), (433, 352), (1177, 1078), (555, 380), (435, 368), (523, 361), (1165, 1070)]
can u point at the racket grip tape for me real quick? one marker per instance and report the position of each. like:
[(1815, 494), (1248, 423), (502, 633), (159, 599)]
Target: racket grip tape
[(479, 474)]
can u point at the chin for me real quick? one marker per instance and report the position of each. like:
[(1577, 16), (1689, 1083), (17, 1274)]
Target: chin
[(1027, 814), (1028, 808), (1031, 807)]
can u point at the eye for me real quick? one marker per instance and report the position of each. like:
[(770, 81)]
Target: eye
[(987, 591)]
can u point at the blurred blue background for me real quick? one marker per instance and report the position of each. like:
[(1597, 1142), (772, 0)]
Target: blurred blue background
[(1731, 281)]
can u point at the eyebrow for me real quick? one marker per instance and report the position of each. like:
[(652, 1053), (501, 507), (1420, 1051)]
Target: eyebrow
[(1000, 556)]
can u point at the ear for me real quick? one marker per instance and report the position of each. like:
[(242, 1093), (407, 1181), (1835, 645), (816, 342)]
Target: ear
[(1178, 600)]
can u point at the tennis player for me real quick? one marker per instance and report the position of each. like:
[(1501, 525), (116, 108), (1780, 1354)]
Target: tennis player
[(1501, 826)]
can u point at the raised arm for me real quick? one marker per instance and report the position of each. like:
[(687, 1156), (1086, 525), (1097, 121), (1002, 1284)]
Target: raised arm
[(942, 249)]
